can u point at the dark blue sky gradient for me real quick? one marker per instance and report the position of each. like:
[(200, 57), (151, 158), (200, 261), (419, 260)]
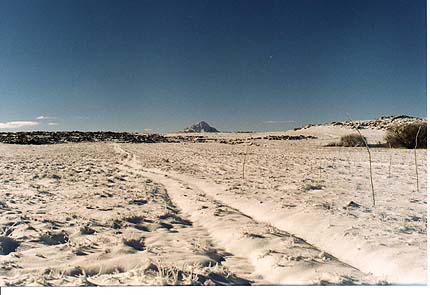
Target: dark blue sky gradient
[(161, 65)]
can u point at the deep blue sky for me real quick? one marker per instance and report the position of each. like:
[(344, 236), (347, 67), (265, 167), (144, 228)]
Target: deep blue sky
[(240, 65)]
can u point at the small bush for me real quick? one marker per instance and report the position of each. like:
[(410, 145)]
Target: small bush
[(352, 140), (403, 136)]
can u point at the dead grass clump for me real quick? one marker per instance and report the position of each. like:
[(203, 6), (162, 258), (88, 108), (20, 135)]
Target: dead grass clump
[(352, 140), (405, 135)]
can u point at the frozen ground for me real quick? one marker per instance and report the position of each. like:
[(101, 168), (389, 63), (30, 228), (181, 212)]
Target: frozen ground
[(182, 213)]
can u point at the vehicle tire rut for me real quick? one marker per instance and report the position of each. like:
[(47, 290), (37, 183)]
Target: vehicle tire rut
[(276, 256)]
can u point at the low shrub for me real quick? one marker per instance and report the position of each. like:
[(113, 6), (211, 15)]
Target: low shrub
[(352, 140), (404, 135)]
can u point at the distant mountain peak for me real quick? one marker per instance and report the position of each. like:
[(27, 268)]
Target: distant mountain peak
[(201, 126)]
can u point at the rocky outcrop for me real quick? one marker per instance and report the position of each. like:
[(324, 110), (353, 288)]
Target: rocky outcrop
[(200, 127), (46, 137), (204, 139), (382, 123)]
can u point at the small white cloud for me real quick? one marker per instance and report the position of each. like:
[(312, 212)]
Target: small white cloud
[(45, 118), (279, 122), (17, 124), (147, 129), (53, 124)]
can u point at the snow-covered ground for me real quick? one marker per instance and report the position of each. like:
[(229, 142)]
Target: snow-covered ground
[(182, 213)]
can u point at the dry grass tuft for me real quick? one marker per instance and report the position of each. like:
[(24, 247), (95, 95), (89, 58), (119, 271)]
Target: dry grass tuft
[(350, 140), (407, 135)]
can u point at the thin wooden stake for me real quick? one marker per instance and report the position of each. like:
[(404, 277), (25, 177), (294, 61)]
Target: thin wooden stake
[(415, 152), (389, 167), (244, 161), (370, 162)]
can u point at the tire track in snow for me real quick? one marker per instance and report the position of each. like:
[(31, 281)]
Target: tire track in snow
[(276, 255)]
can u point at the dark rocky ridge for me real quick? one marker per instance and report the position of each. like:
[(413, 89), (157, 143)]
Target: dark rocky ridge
[(200, 127), (46, 137), (204, 139)]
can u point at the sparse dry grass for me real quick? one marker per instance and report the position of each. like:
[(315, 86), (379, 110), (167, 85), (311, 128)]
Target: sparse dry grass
[(407, 136), (350, 140)]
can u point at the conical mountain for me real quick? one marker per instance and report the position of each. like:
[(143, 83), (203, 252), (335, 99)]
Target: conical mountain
[(201, 126)]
